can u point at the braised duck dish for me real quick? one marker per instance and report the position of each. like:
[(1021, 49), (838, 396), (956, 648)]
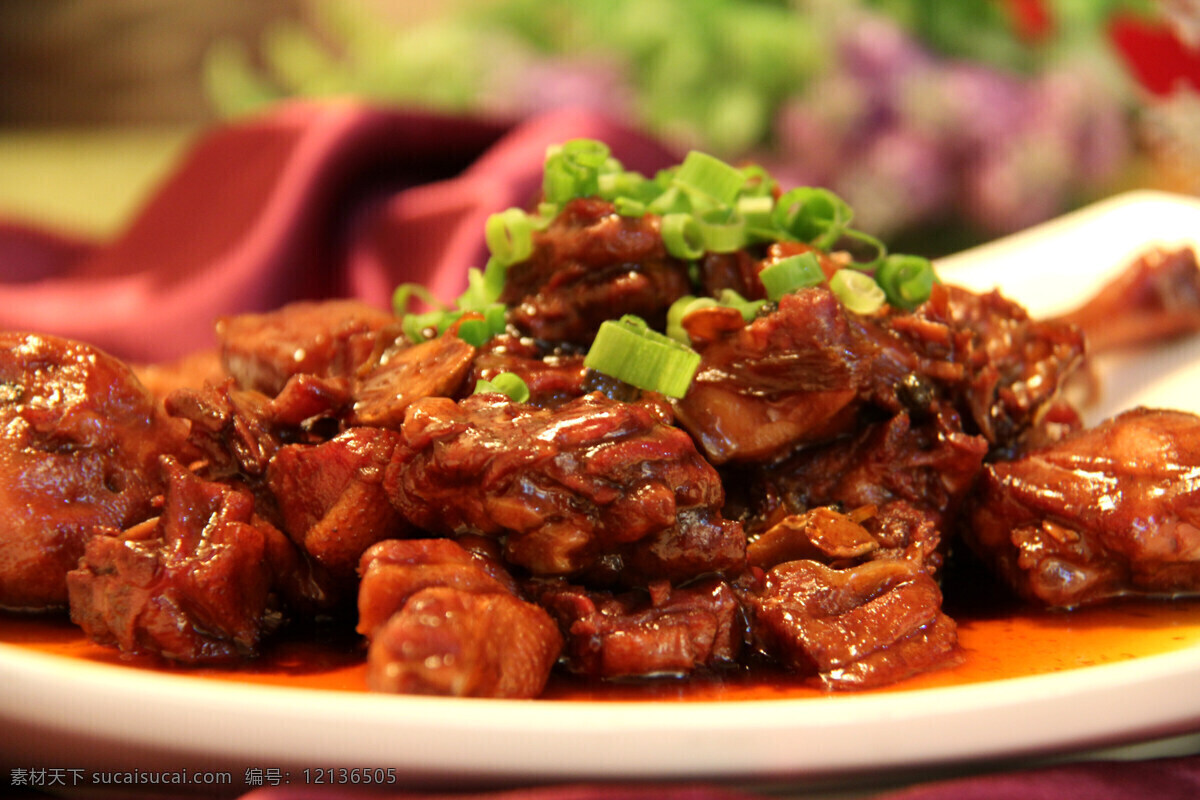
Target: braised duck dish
[(681, 424)]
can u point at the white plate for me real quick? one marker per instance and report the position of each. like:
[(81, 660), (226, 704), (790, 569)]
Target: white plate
[(59, 712)]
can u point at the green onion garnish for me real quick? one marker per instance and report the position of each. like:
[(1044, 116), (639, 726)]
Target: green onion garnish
[(680, 309), (506, 383), (748, 308), (858, 291), (710, 177), (721, 230), (682, 236), (629, 350), (813, 215), (509, 236), (789, 274), (704, 206), (906, 280)]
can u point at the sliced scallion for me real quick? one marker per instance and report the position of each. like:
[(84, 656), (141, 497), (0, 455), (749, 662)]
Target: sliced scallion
[(857, 291), (789, 274), (680, 309), (906, 280), (629, 350), (509, 384), (721, 231), (711, 177), (509, 236), (811, 214), (681, 236)]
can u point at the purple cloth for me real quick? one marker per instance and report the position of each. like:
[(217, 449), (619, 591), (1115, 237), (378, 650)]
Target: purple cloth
[(311, 200)]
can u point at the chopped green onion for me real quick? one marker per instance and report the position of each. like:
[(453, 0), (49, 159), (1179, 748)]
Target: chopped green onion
[(506, 383), (906, 280), (748, 308), (628, 207), (509, 236), (405, 292), (671, 201), (680, 309), (759, 182), (682, 236), (721, 231), (573, 169), (866, 251), (711, 177), (858, 291), (755, 211), (628, 350), (483, 288), (418, 327), (813, 215), (789, 274)]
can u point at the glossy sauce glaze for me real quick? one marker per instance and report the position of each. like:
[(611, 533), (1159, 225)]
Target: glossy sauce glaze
[(997, 645)]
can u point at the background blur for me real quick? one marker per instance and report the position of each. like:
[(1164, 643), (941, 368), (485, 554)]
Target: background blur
[(943, 124)]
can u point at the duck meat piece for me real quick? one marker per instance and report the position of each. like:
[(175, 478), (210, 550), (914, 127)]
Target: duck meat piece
[(1011, 368), (661, 631), (788, 378), (554, 376), (1154, 299), (808, 371), (1109, 511), (331, 499), (192, 585), (864, 626), (443, 620), (836, 539), (403, 373), (80, 438), (192, 371), (930, 467), (589, 265), (329, 338), (570, 490)]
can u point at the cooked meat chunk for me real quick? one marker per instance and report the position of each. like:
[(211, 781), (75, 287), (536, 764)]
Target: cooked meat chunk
[(810, 371), (449, 642), (192, 371), (394, 570), (192, 585), (869, 625), (590, 265), (998, 368), (553, 376), (820, 534), (1109, 511), (443, 620), (647, 633), (79, 444), (234, 428), (781, 381), (571, 490), (1156, 297), (405, 373), (928, 467), (331, 498), (327, 339), (896, 530)]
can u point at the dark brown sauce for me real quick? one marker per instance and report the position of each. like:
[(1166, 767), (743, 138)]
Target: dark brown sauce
[(996, 646)]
